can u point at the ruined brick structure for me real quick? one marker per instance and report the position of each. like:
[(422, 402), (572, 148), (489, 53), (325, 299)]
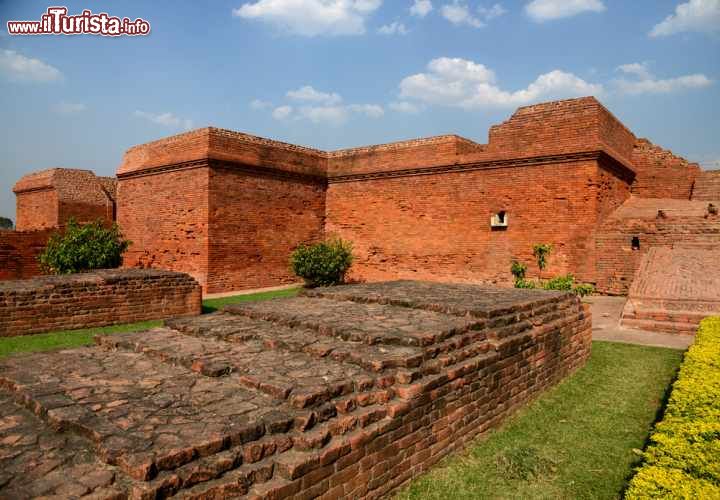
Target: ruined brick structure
[(228, 208), (344, 394), (46, 200), (99, 298)]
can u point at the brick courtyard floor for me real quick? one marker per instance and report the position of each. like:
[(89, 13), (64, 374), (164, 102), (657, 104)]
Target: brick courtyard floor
[(248, 400)]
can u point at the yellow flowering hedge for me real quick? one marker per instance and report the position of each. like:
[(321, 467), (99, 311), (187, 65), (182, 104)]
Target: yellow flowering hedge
[(683, 458)]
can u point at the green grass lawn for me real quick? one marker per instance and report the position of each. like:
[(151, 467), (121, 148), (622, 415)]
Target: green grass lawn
[(574, 442), (76, 338)]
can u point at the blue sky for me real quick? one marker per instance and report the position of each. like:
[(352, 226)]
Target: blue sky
[(342, 73)]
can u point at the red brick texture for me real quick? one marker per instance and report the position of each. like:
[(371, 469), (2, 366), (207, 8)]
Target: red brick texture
[(19, 251), (49, 198), (656, 222), (95, 299), (707, 186), (661, 174)]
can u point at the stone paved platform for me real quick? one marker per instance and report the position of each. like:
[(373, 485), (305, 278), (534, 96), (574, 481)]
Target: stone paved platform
[(344, 392)]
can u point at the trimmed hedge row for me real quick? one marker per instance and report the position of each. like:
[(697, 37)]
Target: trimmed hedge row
[(683, 458)]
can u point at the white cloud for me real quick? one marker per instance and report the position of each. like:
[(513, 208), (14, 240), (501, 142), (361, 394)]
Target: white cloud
[(309, 94), (165, 119), (459, 13), (369, 110), (421, 8), (312, 17), (469, 85), (69, 108), (260, 104), (16, 67), (394, 28), (405, 107), (694, 15), (325, 114), (282, 112), (642, 81), (548, 10)]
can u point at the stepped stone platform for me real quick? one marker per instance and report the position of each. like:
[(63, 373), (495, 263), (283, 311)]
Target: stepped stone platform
[(674, 289), (340, 393)]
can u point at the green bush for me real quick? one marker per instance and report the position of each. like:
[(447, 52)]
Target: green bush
[(683, 457), (322, 264), (83, 248), (560, 283), (523, 283)]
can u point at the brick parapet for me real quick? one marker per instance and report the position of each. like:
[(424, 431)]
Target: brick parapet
[(96, 298)]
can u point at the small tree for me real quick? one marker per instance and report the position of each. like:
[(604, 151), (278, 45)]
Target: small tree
[(6, 223), (322, 264), (83, 248), (541, 252)]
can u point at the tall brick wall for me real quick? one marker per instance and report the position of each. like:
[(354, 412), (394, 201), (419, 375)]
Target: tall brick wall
[(165, 216), (661, 174), (255, 223), (19, 251), (437, 227), (95, 299), (37, 210)]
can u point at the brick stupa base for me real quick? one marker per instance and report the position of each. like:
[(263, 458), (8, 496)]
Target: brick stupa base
[(345, 392)]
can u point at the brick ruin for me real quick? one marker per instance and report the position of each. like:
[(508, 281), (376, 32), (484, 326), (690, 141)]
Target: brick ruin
[(46, 200), (339, 394), (228, 208)]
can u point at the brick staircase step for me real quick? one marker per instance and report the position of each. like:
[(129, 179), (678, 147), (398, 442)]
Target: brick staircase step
[(661, 326)]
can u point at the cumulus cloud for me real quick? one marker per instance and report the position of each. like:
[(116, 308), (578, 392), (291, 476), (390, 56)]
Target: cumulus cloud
[(465, 84), (309, 94), (394, 28), (405, 107), (19, 68), (421, 8), (69, 108), (282, 112), (459, 13), (259, 104), (694, 15), (323, 107), (638, 79), (549, 10), (165, 119), (311, 17)]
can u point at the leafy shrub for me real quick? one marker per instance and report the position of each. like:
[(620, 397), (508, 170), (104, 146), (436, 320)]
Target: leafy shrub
[(322, 264), (560, 283), (541, 252), (518, 269), (583, 289), (523, 283), (83, 248), (682, 460)]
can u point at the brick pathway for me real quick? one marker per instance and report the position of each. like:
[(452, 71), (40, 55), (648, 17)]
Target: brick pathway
[(674, 289), (344, 392)]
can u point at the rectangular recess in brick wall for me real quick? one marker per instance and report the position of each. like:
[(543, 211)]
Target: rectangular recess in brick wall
[(98, 298), (342, 393)]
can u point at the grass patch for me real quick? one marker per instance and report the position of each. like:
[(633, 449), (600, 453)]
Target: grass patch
[(576, 441), (66, 339), (212, 305), (76, 338)]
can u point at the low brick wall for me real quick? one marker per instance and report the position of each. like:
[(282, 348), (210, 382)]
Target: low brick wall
[(98, 298), (19, 251)]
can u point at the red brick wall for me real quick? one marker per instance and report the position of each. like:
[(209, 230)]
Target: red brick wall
[(98, 298), (19, 251), (438, 227), (707, 186), (165, 215), (661, 174), (255, 223), (37, 210), (685, 223)]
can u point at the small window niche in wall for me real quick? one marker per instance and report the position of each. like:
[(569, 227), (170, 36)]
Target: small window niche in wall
[(635, 243), (499, 220)]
